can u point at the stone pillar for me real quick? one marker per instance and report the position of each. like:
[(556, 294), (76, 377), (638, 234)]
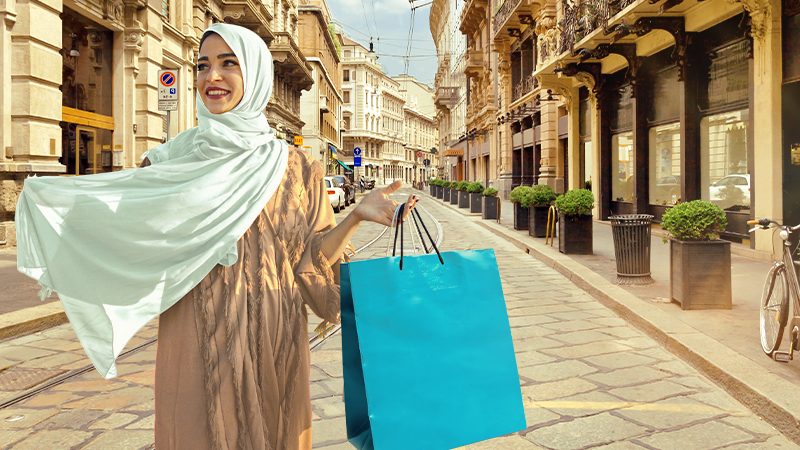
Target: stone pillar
[(127, 46), (149, 120), (30, 104), (574, 142), (597, 177), (766, 100), (8, 14), (549, 134)]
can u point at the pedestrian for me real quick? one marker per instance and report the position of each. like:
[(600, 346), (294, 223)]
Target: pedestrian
[(228, 235), (362, 183)]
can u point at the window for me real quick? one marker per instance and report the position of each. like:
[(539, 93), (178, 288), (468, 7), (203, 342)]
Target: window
[(665, 164), (622, 161), (346, 96), (724, 172), (346, 75), (165, 9)]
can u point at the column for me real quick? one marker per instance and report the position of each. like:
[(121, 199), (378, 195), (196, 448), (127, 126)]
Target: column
[(8, 15), (149, 119), (127, 46), (574, 142), (766, 100), (549, 133)]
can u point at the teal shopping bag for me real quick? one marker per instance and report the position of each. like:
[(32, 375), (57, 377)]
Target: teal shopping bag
[(427, 352)]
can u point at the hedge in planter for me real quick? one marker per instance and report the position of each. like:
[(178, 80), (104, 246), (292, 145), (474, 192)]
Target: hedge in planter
[(575, 222), (520, 212), (446, 191), (434, 184), (699, 262), (491, 204), (440, 188), (538, 201), (463, 195), (454, 192), (475, 191)]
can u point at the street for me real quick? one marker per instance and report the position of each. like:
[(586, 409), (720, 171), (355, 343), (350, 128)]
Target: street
[(588, 378)]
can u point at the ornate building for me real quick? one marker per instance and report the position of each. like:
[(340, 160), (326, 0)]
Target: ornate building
[(653, 102), (321, 105), (421, 133), (81, 94), (450, 94)]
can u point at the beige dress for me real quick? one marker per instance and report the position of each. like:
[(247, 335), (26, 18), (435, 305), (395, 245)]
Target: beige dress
[(232, 368)]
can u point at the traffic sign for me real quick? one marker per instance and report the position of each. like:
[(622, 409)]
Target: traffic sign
[(298, 141), (167, 90), (357, 151), (356, 161), (426, 162), (419, 154)]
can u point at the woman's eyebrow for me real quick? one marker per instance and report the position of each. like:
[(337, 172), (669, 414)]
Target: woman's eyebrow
[(220, 56)]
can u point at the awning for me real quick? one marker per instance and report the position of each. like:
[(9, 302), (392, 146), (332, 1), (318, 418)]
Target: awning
[(454, 152), (346, 167)]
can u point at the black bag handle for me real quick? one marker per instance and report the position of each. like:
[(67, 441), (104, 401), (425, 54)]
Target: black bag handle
[(417, 221)]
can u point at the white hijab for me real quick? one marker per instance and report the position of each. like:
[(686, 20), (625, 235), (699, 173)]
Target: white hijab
[(120, 248)]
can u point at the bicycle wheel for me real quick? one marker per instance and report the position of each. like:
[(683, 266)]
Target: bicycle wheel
[(774, 309)]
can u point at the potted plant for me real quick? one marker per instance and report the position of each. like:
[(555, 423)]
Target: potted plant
[(439, 188), (475, 190), (699, 262), (454, 192), (520, 212), (575, 221), (538, 201), (446, 190), (491, 204), (434, 187), (463, 195)]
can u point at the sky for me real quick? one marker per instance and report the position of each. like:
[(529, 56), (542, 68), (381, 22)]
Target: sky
[(388, 23)]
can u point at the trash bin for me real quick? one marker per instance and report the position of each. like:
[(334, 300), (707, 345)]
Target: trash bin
[(632, 247)]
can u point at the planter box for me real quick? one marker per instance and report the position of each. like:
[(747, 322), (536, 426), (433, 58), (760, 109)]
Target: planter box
[(475, 202), (439, 192), (575, 234), (491, 208), (433, 190), (537, 222), (463, 199), (520, 217), (454, 196), (446, 194), (700, 274)]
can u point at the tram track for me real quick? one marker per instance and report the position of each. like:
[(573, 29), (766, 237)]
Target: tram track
[(314, 342)]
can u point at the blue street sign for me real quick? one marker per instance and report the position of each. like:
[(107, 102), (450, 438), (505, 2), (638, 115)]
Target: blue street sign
[(357, 161), (357, 151)]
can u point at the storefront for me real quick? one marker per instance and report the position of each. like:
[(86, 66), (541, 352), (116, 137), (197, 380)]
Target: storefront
[(790, 112)]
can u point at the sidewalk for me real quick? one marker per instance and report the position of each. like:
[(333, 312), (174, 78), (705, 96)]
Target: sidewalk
[(723, 344)]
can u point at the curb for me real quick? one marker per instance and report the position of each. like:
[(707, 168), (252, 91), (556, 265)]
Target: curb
[(30, 320), (770, 396)]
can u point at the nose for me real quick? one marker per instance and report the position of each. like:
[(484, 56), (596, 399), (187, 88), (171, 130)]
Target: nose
[(214, 74)]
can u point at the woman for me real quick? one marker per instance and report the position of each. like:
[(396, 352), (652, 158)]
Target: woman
[(192, 230)]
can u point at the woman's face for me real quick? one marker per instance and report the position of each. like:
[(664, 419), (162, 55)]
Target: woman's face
[(219, 76)]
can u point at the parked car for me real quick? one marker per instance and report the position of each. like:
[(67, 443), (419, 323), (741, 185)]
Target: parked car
[(348, 187), (369, 183), (731, 192), (335, 194)]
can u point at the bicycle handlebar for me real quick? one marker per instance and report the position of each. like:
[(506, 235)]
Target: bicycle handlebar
[(765, 223)]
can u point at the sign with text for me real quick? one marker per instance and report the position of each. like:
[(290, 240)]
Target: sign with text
[(167, 90)]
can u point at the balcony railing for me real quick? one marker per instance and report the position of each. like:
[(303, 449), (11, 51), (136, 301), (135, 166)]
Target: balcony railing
[(527, 84), (447, 96), (580, 19), (474, 62), (505, 11)]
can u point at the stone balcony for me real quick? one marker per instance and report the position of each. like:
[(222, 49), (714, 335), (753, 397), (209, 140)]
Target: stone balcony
[(475, 63), (290, 64), (447, 96), (513, 15), (473, 14), (252, 14)]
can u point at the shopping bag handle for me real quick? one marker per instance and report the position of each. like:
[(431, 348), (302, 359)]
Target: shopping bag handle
[(398, 220)]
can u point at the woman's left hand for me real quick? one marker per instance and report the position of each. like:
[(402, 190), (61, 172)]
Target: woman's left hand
[(379, 208)]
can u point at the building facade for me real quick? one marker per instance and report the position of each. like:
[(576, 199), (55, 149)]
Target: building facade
[(321, 105), (450, 94), (647, 103), (80, 81)]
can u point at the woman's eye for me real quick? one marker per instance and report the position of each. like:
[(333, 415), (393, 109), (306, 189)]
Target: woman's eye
[(202, 67), (230, 63)]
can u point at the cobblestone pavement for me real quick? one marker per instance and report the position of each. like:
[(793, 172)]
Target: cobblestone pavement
[(589, 379)]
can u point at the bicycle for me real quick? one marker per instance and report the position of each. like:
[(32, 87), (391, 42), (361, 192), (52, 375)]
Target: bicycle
[(781, 283)]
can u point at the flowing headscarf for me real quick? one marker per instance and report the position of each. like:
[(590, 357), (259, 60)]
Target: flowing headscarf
[(120, 248)]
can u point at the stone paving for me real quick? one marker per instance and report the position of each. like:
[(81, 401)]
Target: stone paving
[(588, 378)]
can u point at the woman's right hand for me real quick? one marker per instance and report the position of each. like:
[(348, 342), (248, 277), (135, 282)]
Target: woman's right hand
[(145, 162)]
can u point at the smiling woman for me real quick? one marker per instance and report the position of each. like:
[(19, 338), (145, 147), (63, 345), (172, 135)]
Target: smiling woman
[(219, 75)]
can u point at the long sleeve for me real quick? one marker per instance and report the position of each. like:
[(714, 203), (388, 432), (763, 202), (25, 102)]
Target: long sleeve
[(316, 277)]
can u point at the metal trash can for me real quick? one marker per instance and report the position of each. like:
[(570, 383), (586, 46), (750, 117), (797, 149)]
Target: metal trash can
[(632, 247)]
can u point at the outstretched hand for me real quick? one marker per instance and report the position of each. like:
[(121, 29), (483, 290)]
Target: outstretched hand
[(379, 208)]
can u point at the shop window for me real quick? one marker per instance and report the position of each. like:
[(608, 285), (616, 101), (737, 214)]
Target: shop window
[(665, 164), (622, 161), (588, 164), (724, 173)]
